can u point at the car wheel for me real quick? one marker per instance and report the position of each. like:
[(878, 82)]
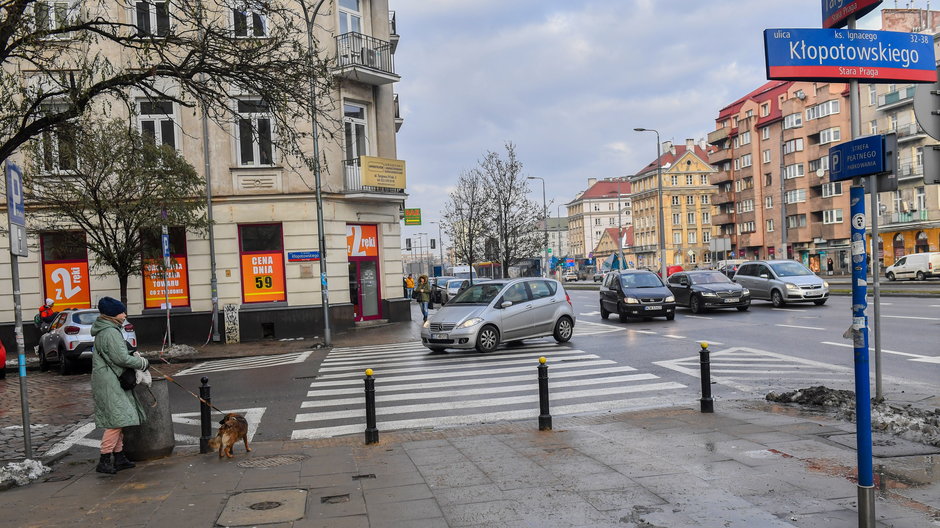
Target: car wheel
[(43, 362), (777, 299), (920, 276), (890, 276), (670, 317), (695, 304), (564, 329), (604, 313), (65, 364), (820, 302), (487, 339), (624, 318)]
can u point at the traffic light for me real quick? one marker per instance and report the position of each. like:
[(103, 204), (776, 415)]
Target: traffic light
[(407, 244), (433, 244)]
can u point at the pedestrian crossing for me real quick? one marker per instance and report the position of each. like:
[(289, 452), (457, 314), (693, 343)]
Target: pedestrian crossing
[(415, 388), (247, 363), (754, 370)]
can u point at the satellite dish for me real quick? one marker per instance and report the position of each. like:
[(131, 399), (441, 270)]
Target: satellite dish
[(820, 173)]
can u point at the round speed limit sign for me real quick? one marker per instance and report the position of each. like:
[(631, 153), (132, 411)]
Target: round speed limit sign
[(858, 221)]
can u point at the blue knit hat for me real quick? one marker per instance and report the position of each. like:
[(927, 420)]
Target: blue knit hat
[(111, 306)]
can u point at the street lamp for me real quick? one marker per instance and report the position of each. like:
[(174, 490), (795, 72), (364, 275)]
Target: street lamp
[(561, 252), (440, 244), (662, 223), (544, 224), (421, 251)]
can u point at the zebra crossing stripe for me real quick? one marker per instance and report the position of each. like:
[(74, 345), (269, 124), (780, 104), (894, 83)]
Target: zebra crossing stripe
[(247, 363), (427, 354), (434, 361), (357, 372)]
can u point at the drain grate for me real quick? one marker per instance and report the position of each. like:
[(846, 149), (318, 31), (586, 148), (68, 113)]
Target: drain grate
[(271, 461), (57, 478), (335, 499), (266, 505), (366, 476)]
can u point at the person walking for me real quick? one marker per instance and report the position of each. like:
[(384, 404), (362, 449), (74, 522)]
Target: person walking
[(409, 285), (423, 295), (829, 265), (115, 408)]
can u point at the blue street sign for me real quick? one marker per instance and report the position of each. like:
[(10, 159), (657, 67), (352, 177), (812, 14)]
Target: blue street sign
[(303, 256), (860, 157), (840, 54), (16, 202), (835, 13)]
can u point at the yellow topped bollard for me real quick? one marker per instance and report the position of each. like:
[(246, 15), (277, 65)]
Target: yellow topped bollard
[(704, 344), (368, 372), (707, 403), (372, 432), (545, 419), (542, 360)]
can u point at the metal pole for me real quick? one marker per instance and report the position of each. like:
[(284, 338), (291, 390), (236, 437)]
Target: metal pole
[(372, 432), (623, 264), (213, 279), (545, 418), (166, 286), (662, 222), (784, 253), (20, 351), (707, 405), (875, 329), (205, 415), (321, 234), (545, 222)]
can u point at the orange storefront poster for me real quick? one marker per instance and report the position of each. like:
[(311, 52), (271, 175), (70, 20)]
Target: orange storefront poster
[(178, 281), (67, 284), (362, 241), (263, 277)]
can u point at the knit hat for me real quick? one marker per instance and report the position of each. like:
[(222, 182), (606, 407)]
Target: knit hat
[(49, 302), (111, 306)]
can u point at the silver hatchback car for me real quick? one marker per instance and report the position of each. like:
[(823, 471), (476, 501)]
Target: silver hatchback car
[(487, 314), (69, 340)]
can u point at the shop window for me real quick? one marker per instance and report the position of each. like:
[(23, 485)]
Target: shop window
[(177, 274), (262, 259), (65, 269)]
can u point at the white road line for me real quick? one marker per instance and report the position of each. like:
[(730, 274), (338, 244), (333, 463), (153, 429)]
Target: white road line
[(911, 317), (802, 327), (247, 363), (357, 372), (589, 313), (649, 332), (895, 352), (698, 317), (72, 439), (434, 361), (674, 336), (787, 310), (425, 353)]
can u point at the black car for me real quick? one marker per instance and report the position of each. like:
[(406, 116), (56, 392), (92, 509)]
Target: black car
[(706, 289), (636, 293)]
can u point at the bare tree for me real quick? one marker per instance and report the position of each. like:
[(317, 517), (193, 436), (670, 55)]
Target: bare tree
[(466, 217), (120, 187), (514, 215)]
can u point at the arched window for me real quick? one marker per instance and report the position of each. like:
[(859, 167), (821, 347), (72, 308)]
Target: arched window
[(921, 244), (898, 245)]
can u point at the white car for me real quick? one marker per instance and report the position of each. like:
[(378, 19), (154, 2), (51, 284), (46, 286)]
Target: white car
[(69, 340), (918, 266), (569, 276)]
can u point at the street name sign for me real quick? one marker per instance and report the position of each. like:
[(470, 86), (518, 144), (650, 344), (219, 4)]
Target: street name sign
[(836, 13), (860, 157), (836, 55), (303, 256)]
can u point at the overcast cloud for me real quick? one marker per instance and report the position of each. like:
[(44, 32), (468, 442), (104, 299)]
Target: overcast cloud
[(568, 81)]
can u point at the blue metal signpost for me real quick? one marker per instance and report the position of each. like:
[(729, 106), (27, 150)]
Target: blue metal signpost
[(841, 54), (16, 214), (859, 157), (836, 13)]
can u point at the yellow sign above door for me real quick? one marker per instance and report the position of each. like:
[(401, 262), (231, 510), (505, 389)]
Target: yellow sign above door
[(382, 172)]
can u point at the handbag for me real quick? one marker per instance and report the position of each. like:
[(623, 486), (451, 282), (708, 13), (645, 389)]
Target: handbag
[(127, 379)]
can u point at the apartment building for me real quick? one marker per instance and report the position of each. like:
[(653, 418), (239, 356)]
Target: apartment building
[(909, 218), (772, 164), (594, 210), (264, 208), (611, 243), (687, 207)]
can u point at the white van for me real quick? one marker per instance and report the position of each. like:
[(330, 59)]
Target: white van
[(918, 266)]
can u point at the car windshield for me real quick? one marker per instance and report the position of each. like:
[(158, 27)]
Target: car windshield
[(478, 294), (790, 269), (710, 277), (455, 283), (640, 280), (85, 318)]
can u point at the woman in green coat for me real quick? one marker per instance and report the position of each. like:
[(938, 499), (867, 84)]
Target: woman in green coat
[(115, 408)]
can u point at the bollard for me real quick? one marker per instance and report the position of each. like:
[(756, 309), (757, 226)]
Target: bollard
[(205, 415), (372, 433), (708, 405), (545, 419)]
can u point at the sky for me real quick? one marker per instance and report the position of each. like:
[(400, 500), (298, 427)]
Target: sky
[(568, 81)]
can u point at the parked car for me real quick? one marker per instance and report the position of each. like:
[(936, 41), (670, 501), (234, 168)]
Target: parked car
[(918, 266), (438, 285), (702, 290), (569, 276), (729, 267), (782, 282), (455, 286), (69, 340), (636, 293), (599, 276), (492, 312)]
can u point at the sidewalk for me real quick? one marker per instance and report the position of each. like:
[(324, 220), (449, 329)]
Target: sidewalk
[(748, 465)]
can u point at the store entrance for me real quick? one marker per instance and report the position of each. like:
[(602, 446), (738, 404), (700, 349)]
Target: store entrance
[(364, 288)]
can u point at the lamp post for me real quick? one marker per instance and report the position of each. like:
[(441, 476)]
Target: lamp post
[(440, 244), (662, 223), (544, 223), (421, 251), (561, 252)]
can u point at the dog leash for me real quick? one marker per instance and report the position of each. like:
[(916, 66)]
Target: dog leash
[(173, 381)]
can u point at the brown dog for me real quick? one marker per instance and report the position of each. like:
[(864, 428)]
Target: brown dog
[(234, 427)]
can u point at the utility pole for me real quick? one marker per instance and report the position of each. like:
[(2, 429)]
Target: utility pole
[(662, 222)]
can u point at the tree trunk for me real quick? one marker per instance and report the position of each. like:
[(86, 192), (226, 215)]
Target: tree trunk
[(122, 279)]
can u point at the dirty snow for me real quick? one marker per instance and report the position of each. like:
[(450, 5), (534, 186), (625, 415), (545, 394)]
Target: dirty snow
[(905, 421), (174, 351), (23, 472)]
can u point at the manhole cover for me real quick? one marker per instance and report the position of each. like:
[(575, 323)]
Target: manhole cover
[(271, 461), (266, 505)]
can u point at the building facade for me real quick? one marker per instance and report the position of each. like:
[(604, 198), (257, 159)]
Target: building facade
[(687, 196), (264, 210), (594, 210), (610, 246)]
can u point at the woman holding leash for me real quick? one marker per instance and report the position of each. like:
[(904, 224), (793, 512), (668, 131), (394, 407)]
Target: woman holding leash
[(115, 408)]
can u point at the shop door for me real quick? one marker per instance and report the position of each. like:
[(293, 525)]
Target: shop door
[(364, 289)]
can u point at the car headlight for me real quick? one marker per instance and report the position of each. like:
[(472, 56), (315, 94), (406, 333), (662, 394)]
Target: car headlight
[(825, 284), (745, 291), (631, 300), (791, 286), (709, 294), (473, 321), (673, 299)]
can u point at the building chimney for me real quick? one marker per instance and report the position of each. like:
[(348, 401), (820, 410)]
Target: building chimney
[(690, 144), (591, 182), (667, 147)]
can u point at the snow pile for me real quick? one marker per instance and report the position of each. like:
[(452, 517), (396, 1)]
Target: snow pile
[(23, 472), (174, 351), (905, 421)]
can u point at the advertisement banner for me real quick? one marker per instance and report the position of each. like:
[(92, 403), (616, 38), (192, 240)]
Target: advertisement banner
[(382, 172), (412, 216), (263, 277), (362, 240), (836, 13), (177, 280), (67, 284), (842, 54)]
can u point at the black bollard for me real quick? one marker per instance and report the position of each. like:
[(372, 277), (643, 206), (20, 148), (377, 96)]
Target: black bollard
[(545, 419), (708, 405), (205, 415), (372, 433)]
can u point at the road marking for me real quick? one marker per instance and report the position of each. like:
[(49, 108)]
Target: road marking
[(698, 317), (674, 336), (589, 313), (247, 363), (803, 327), (424, 358), (787, 310), (709, 341), (912, 317), (919, 357), (648, 332)]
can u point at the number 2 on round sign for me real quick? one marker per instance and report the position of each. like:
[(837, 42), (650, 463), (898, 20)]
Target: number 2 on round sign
[(264, 282)]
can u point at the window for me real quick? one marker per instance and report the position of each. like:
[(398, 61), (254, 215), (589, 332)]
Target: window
[(794, 221), (65, 269), (794, 170), (831, 189), (690, 199), (703, 179), (692, 237), (873, 127), (255, 137), (791, 121), (706, 237), (821, 163), (743, 139), (542, 289), (742, 162), (765, 133), (893, 122), (357, 143), (830, 135), (152, 19), (768, 202), (795, 196), (706, 217), (350, 17), (675, 200), (612, 221), (745, 206), (768, 179), (156, 122), (748, 114), (766, 156), (177, 276), (872, 96), (690, 218), (822, 110), (765, 110), (769, 226), (832, 216), (705, 199), (794, 145), (677, 237), (675, 180), (249, 23), (597, 221), (745, 227), (676, 219), (690, 179), (57, 146), (50, 16)]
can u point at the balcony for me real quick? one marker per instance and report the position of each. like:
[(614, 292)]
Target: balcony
[(904, 218), (723, 197), (717, 136), (354, 186), (365, 59), (896, 98), (719, 156), (910, 171), (399, 121), (393, 31), (718, 177), (722, 218), (910, 132)]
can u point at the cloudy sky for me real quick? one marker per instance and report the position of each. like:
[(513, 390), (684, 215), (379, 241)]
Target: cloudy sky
[(568, 81)]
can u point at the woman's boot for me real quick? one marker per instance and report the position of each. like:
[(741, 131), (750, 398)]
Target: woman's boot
[(105, 465), (121, 461)]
